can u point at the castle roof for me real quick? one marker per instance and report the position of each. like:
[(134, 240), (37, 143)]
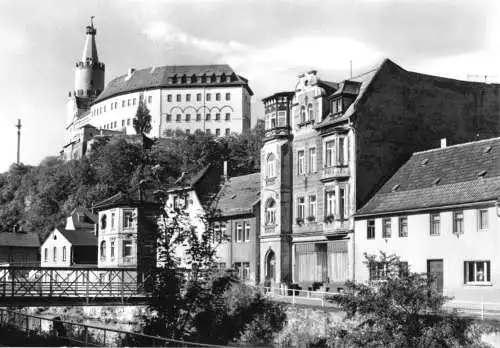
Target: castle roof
[(174, 76), (460, 174)]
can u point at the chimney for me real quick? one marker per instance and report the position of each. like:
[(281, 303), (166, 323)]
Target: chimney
[(131, 71), (443, 143)]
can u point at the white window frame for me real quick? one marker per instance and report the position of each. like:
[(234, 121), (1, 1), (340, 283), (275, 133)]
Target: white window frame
[(301, 162), (329, 153), (310, 112), (403, 222), (239, 232), (341, 158), (435, 220), (312, 160), (482, 225), (370, 229), (246, 232), (273, 120), (271, 165), (330, 202), (476, 275), (301, 207), (281, 118), (458, 222), (312, 206), (270, 212), (386, 228)]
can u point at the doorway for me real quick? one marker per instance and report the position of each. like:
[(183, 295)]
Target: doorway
[(271, 266), (435, 273)]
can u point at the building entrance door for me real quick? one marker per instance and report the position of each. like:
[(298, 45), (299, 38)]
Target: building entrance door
[(435, 273), (271, 266)]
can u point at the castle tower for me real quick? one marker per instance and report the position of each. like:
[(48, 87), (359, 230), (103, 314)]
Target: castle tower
[(89, 72), (276, 191)]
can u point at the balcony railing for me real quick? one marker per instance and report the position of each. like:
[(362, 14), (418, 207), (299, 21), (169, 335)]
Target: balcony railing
[(336, 225), (277, 131), (336, 171)]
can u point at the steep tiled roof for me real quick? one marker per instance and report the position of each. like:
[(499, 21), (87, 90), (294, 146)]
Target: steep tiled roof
[(79, 237), (147, 195), (82, 218), (460, 174), (26, 240), (238, 195), (156, 77)]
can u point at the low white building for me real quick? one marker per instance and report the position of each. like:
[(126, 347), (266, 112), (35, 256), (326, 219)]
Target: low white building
[(439, 213)]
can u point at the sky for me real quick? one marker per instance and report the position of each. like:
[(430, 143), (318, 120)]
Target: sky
[(269, 42)]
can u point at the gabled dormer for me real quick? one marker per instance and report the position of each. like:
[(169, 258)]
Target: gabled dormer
[(343, 97)]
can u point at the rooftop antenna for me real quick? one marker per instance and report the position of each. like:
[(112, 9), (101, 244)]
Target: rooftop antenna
[(350, 72), (18, 126)]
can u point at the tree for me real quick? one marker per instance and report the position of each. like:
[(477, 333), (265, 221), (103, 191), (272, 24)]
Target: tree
[(399, 309), (142, 119)]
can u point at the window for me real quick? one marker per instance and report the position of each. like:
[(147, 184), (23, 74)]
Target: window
[(342, 203), (103, 249), (272, 120), (103, 221), (188, 117), (247, 232), (482, 219), (198, 117), (228, 117), (188, 97), (477, 272), (169, 98), (310, 113), (217, 96), (128, 122), (123, 103), (271, 166), (198, 97), (217, 117), (112, 220), (128, 102), (370, 229), (188, 131), (312, 208), (281, 118), (403, 226), (270, 212), (178, 97), (228, 96), (115, 125), (337, 105), (228, 132), (54, 254), (301, 208), (209, 131), (169, 118), (341, 158), (329, 153), (300, 162), (378, 270), (386, 228), (127, 219), (312, 160), (46, 254), (330, 203), (207, 117), (64, 254), (239, 232), (458, 222), (208, 97), (127, 248), (217, 132), (435, 223), (178, 118), (150, 99), (223, 230), (133, 102), (123, 123), (302, 114), (112, 251)]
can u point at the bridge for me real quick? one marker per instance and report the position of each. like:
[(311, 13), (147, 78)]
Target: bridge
[(65, 286)]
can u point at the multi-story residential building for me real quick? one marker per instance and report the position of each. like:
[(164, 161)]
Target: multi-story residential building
[(127, 229), (440, 213), (237, 225), (345, 140), (209, 98)]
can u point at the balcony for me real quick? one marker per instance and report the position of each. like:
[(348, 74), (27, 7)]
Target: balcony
[(276, 132), (335, 172), (336, 226)]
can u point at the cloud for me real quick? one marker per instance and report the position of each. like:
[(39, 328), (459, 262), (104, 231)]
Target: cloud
[(173, 36)]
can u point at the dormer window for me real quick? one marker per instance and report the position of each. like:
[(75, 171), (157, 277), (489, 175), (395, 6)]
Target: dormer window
[(103, 222)]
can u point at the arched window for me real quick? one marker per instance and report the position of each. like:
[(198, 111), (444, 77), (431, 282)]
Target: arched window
[(310, 114), (302, 114), (103, 249), (103, 222), (271, 166), (270, 212), (64, 254)]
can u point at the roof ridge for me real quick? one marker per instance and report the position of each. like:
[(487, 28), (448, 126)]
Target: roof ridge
[(457, 145)]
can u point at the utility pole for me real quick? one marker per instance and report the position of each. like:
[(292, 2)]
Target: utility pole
[(18, 126), (350, 70)]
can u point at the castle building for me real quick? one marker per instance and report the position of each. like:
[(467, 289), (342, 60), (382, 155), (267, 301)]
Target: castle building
[(329, 146), (189, 98)]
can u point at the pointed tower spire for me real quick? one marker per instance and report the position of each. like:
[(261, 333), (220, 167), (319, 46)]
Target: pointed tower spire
[(89, 72), (90, 48)]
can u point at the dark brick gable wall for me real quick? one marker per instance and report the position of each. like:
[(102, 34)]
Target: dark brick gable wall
[(403, 112)]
